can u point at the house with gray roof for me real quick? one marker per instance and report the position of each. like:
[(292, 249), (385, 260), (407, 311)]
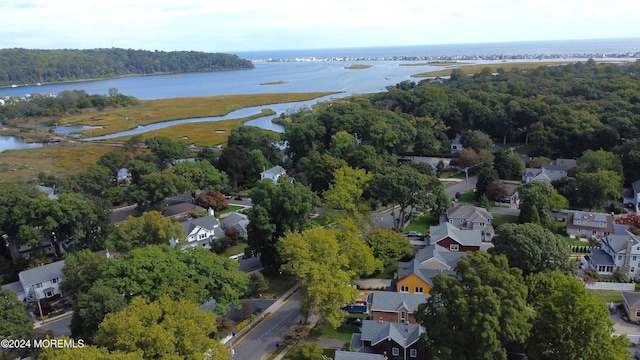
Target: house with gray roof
[(546, 172), (274, 174), (415, 276), (588, 225), (616, 252), (632, 304), (394, 306), (200, 232), (236, 220), (41, 282), (467, 217), (453, 239), (397, 341), (49, 191)]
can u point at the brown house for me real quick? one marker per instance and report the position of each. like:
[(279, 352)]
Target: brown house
[(589, 225), (393, 306)]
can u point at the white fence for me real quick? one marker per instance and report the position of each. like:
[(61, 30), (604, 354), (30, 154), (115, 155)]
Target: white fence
[(611, 286)]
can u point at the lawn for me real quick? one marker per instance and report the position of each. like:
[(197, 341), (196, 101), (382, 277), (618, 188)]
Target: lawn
[(467, 197), (607, 296), (387, 273), (279, 284), (342, 333), (236, 249), (228, 209), (422, 223)]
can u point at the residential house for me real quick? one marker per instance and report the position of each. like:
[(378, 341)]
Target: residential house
[(201, 231), (41, 282), (394, 306), (413, 278), (547, 172), (120, 216), (568, 163), (397, 341), (273, 174), (454, 239), (616, 252), (16, 287), (49, 191), (588, 225), (632, 304), (180, 211), (636, 195), (123, 178), (350, 355), (456, 145), (236, 220), (466, 217)]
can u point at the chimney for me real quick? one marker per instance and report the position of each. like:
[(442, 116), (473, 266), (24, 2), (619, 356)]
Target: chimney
[(627, 256), (210, 212)]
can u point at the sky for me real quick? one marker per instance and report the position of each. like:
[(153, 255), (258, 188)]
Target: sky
[(251, 25)]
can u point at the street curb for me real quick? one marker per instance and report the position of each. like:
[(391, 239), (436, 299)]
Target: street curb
[(39, 323)]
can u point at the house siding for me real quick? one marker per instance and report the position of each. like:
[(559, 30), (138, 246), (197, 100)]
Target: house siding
[(412, 281), (447, 242)]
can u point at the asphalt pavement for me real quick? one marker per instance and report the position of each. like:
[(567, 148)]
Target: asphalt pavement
[(262, 340)]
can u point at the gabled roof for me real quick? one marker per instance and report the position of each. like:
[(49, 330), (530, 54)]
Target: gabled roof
[(120, 215), (41, 273), (180, 208), (233, 218), (275, 171), (437, 252), (376, 331), (568, 163), (600, 257), (469, 213), (462, 237), (618, 242), (587, 220), (632, 299), (394, 301), (414, 267), (207, 222)]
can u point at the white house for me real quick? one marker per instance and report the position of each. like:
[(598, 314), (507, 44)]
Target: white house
[(273, 173), (199, 232), (41, 282), (617, 252), (547, 172)]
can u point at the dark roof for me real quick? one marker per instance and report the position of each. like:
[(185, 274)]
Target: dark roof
[(180, 209), (632, 299), (377, 331), (120, 215), (350, 355), (208, 222), (600, 257)]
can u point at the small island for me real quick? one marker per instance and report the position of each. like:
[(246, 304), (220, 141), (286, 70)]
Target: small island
[(357, 67), (280, 82)]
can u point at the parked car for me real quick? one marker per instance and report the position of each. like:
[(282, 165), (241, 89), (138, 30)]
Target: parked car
[(228, 197), (238, 198), (414, 234), (353, 321)]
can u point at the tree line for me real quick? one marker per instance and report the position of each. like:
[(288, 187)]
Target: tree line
[(26, 66)]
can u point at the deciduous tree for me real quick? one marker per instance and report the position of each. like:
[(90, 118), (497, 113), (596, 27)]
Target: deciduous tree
[(598, 187), (536, 194), (389, 246), (151, 228), (532, 249)]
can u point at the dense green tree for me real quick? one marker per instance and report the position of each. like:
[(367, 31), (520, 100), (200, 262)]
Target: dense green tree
[(315, 257), (81, 269), (496, 191), (532, 249), (95, 181), (389, 246), (591, 161), (14, 322), (137, 168), (302, 137), (508, 165), (196, 274), (236, 163), (306, 351), (113, 160), (410, 191), (151, 228), (486, 176), (91, 307), (569, 323), (166, 151), (473, 314), (154, 188), (536, 194), (201, 175), (164, 328), (248, 138), (344, 197), (86, 352), (277, 209), (598, 187), (318, 170)]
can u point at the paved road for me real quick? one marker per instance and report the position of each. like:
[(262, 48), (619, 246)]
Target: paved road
[(58, 327), (462, 186), (261, 341)]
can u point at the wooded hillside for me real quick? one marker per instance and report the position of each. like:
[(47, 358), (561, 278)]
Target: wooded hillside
[(23, 66)]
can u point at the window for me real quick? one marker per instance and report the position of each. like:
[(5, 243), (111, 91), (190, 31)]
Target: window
[(481, 224), (48, 294), (593, 232), (450, 221), (454, 247), (202, 236), (637, 313), (633, 269), (395, 351), (619, 257), (413, 353), (403, 316), (633, 258), (461, 221), (404, 289), (38, 285), (419, 290), (54, 281)]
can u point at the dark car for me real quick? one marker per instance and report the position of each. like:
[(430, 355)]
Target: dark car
[(238, 198), (354, 322)]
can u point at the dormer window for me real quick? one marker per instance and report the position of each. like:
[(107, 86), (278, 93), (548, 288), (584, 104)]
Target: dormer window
[(454, 247)]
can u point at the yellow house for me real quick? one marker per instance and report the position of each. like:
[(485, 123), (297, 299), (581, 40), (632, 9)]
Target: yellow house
[(413, 278)]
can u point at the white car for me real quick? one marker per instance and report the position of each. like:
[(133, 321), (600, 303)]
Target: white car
[(414, 234)]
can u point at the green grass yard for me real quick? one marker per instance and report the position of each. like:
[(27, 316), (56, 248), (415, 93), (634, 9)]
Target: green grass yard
[(499, 219), (607, 296), (422, 223)]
